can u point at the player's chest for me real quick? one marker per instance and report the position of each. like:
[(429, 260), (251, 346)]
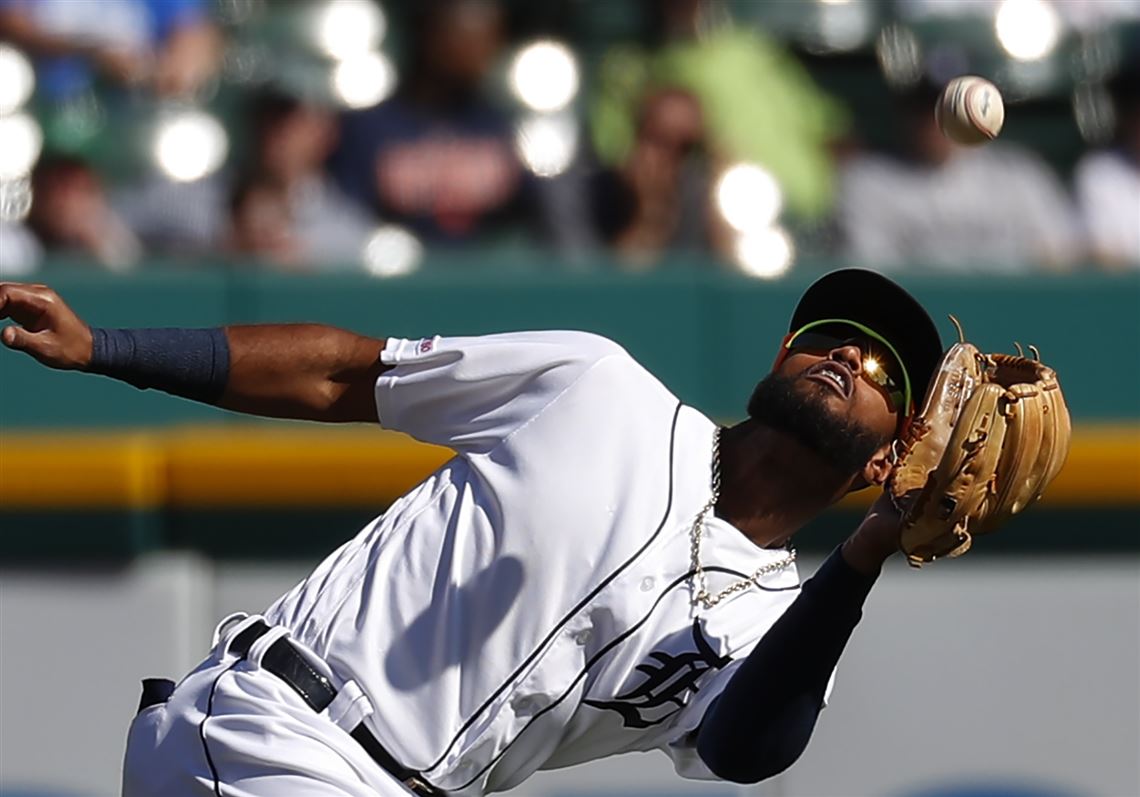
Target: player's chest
[(641, 646)]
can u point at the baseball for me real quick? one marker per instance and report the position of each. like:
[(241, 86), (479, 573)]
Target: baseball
[(970, 110)]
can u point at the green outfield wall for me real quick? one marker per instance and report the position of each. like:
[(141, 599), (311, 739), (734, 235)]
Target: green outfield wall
[(708, 335), (92, 469)]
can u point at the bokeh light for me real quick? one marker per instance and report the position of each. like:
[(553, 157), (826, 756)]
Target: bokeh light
[(842, 25), (190, 145), (20, 142), (15, 199), (364, 80), (765, 254), (392, 251), (17, 79), (547, 144), (748, 197), (350, 28), (544, 76), (1027, 29)]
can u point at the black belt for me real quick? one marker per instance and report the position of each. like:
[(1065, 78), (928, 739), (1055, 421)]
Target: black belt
[(287, 663)]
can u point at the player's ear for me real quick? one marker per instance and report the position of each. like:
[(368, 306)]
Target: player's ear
[(878, 467)]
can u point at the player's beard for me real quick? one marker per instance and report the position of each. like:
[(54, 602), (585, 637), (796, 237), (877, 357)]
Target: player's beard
[(805, 415)]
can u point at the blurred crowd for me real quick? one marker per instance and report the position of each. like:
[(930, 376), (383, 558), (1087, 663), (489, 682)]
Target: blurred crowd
[(369, 133)]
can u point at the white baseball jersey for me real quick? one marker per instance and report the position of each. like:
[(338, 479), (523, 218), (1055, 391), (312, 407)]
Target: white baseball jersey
[(529, 605)]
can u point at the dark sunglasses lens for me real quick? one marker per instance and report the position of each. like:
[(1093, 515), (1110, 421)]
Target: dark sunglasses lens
[(887, 372), (815, 340), (877, 371)]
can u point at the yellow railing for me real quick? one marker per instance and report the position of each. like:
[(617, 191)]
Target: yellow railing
[(298, 466)]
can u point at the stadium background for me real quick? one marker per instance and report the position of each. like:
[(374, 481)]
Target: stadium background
[(130, 522)]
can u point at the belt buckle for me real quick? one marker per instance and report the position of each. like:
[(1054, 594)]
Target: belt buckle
[(419, 786)]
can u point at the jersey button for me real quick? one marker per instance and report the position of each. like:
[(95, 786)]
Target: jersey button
[(583, 637), (648, 583), (525, 705)]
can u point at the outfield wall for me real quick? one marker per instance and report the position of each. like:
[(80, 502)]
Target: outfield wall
[(709, 335), (100, 469), (298, 490)]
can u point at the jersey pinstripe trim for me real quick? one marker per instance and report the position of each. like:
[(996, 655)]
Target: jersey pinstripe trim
[(574, 611), (202, 729)]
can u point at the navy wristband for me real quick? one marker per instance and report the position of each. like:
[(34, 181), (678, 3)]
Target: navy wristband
[(192, 363)]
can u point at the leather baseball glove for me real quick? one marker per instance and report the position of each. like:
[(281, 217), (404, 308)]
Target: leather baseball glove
[(993, 432)]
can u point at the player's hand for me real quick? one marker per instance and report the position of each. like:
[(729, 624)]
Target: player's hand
[(876, 538), (46, 328)]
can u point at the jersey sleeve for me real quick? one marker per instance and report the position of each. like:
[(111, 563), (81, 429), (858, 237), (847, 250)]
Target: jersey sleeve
[(471, 393)]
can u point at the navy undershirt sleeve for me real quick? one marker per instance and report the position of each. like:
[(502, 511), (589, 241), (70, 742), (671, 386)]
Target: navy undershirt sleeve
[(762, 721)]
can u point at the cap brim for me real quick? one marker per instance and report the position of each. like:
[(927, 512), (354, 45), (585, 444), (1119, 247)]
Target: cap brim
[(881, 304)]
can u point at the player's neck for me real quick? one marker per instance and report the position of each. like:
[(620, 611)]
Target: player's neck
[(771, 485)]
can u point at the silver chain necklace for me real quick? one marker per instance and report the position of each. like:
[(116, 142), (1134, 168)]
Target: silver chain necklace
[(702, 595)]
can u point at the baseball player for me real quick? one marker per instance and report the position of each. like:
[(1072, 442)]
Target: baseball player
[(599, 569)]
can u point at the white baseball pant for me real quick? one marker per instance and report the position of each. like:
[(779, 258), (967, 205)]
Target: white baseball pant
[(232, 729)]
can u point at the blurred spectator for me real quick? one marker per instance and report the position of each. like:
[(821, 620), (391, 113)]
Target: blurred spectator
[(438, 157), (319, 225), (1108, 182), (657, 199), (995, 207), (70, 215), (290, 141), (175, 218), (261, 224), (760, 105), (170, 46)]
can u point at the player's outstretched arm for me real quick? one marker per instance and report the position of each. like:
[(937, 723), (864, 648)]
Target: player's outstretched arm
[(304, 371)]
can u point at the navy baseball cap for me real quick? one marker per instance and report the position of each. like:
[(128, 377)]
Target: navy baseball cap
[(870, 299)]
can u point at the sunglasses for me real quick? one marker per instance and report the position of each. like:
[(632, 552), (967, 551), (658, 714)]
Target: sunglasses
[(882, 365)]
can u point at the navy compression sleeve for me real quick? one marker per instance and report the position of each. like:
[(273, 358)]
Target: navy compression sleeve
[(194, 363), (762, 721)]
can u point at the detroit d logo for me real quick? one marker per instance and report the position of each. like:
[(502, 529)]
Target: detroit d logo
[(668, 680)]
